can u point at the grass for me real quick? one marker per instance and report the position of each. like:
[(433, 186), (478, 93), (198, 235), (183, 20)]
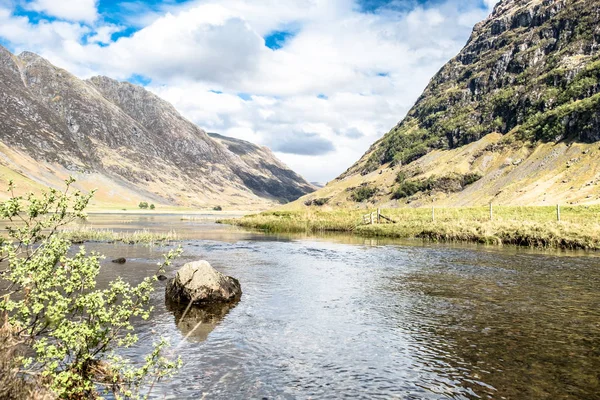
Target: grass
[(80, 235), (579, 227)]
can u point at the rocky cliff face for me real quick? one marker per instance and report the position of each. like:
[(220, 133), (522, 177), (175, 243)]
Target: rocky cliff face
[(127, 140), (532, 68), (514, 118)]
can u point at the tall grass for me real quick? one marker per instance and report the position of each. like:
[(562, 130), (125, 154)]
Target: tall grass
[(579, 227), (87, 234)]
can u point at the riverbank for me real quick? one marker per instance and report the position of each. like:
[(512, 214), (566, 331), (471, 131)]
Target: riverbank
[(538, 227)]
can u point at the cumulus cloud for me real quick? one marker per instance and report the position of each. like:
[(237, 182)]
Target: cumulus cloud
[(71, 10), (207, 43), (336, 85), (103, 34)]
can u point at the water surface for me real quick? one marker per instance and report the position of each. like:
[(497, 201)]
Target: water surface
[(347, 317)]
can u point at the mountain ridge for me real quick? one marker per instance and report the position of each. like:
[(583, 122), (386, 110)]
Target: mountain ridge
[(111, 132)]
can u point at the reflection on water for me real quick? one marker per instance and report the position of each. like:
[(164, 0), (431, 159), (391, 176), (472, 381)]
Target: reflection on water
[(195, 323), (330, 319)]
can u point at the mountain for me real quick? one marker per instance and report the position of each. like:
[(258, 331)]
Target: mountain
[(126, 141), (514, 119), (269, 175)]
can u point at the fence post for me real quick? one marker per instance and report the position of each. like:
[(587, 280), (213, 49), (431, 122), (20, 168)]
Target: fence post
[(491, 211), (432, 213), (379, 215), (371, 218), (558, 212)]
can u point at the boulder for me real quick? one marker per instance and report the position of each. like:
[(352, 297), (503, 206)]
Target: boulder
[(119, 260), (199, 283)]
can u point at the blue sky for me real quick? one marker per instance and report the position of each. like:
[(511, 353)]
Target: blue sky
[(318, 81)]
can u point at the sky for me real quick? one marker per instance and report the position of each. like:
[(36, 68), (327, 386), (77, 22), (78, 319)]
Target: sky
[(317, 81)]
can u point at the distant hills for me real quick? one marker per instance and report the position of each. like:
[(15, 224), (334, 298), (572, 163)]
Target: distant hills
[(127, 142), (513, 119)]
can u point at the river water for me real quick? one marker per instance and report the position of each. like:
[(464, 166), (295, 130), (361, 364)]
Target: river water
[(345, 317)]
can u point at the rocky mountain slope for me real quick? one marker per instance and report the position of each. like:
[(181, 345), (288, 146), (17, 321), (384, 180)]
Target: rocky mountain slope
[(289, 185), (126, 141), (514, 118)]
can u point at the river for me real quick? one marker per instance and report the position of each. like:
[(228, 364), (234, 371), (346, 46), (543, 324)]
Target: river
[(346, 317)]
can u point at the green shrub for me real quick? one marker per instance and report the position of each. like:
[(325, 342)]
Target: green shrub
[(363, 193), (407, 189), (317, 202), (152, 206), (71, 328), (217, 208), (143, 205), (470, 178), (401, 177)]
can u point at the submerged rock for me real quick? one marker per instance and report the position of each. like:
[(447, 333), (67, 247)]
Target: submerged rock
[(199, 283), (162, 278), (119, 260)]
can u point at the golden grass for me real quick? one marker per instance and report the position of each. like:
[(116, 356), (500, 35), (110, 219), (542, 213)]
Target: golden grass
[(85, 234), (579, 227)]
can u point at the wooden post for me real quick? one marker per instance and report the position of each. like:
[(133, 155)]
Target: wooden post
[(371, 218), (558, 212), (491, 211), (432, 213), (379, 215)]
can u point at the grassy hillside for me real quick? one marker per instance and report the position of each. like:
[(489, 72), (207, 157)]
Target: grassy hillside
[(498, 169)]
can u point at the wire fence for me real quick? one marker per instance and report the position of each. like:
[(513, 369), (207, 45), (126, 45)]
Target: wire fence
[(556, 213)]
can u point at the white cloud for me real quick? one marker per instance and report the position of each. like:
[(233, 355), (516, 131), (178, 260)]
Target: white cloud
[(71, 10), (103, 34), (369, 68), (44, 35), (490, 3)]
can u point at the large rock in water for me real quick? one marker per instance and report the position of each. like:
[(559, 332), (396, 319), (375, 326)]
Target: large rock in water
[(199, 283)]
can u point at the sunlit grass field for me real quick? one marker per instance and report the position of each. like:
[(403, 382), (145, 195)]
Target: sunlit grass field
[(578, 228)]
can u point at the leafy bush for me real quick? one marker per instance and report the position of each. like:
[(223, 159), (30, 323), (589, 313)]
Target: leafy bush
[(152, 206), (363, 193), (401, 177), (317, 202), (470, 178), (143, 205), (217, 208), (71, 328), (407, 189)]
